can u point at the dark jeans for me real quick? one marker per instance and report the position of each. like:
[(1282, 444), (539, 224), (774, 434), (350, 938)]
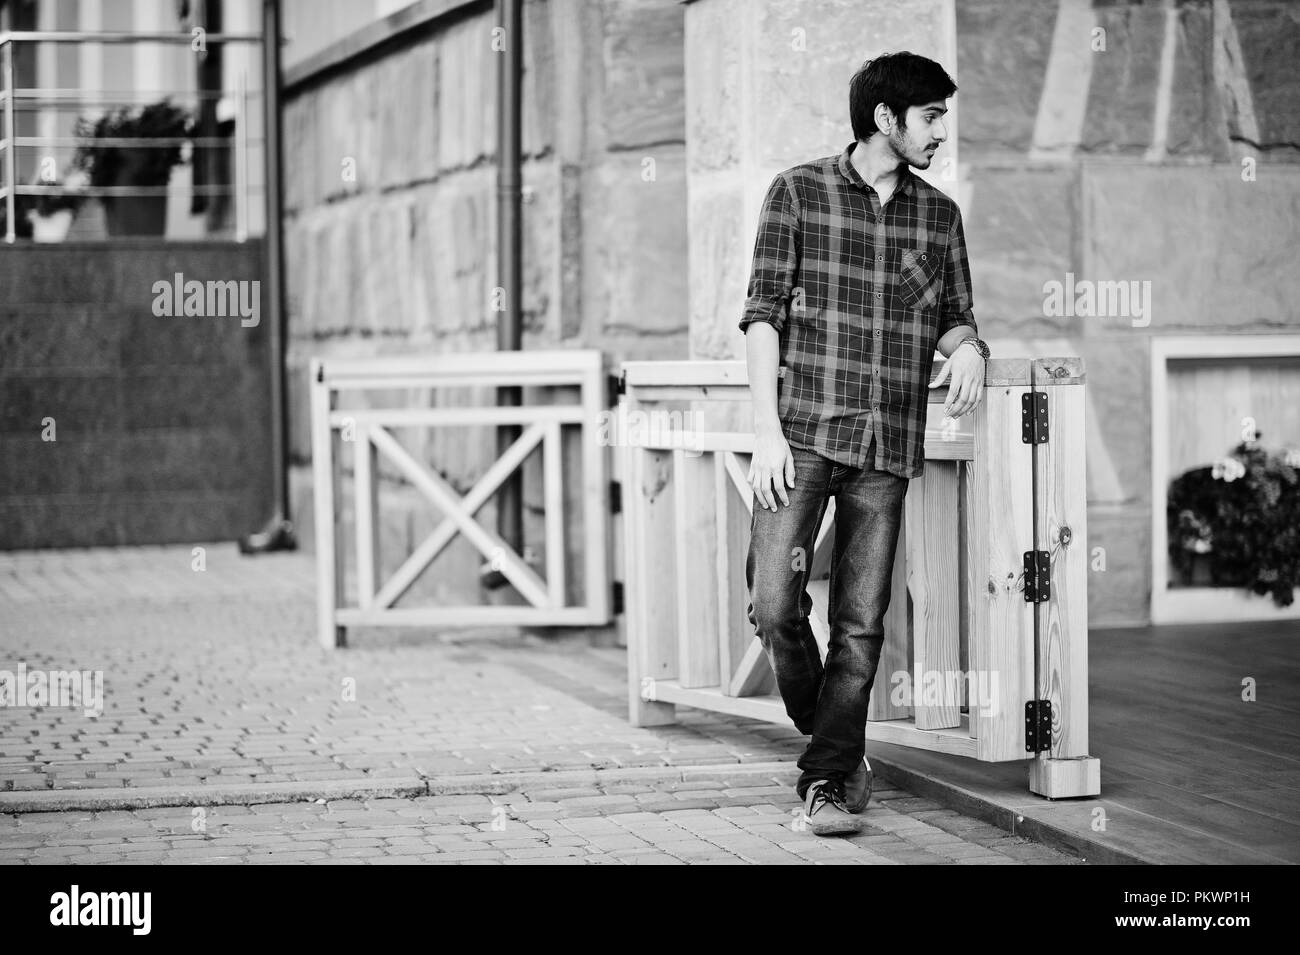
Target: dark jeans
[(829, 701)]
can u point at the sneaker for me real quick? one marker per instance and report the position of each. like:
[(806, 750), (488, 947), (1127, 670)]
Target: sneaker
[(825, 811), (857, 787)]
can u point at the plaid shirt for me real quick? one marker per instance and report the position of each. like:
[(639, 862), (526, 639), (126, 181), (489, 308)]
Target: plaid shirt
[(861, 298)]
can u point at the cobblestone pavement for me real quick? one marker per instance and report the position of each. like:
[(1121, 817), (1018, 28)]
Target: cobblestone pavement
[(213, 679), (621, 825)]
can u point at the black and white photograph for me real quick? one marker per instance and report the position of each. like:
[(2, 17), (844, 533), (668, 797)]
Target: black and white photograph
[(650, 432)]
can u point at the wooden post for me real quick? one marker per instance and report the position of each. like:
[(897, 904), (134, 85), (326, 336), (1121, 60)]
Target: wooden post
[(736, 637), (366, 513), (1001, 528), (651, 588), (553, 513), (895, 653), (696, 540), (931, 516), (1066, 769), (329, 575)]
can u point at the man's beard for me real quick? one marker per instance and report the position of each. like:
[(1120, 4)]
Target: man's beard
[(911, 153)]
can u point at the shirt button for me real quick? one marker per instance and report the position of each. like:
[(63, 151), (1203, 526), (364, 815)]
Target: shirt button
[(877, 295), (880, 258), (877, 333)]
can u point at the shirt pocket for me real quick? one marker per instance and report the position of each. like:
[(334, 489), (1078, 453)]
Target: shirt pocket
[(920, 277)]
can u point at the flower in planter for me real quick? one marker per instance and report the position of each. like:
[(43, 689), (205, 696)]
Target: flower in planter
[(1228, 469), (1241, 517)]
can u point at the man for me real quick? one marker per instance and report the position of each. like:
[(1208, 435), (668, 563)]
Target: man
[(859, 273)]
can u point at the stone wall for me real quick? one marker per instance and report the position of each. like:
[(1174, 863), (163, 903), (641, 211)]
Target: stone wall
[(1163, 148), (400, 257)]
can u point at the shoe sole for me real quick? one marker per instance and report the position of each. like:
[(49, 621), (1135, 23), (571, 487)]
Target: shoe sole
[(844, 828)]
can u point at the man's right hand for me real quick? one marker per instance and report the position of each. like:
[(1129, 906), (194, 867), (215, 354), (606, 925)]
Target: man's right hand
[(771, 469)]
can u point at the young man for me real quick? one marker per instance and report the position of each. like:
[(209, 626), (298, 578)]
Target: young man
[(859, 274)]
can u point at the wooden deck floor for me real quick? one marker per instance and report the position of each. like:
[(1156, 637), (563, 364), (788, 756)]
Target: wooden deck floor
[(1190, 773)]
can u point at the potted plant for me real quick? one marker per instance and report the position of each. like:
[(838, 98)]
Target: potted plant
[(1237, 522), (114, 163), (51, 214)]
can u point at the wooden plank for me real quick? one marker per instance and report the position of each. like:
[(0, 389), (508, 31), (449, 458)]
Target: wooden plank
[(365, 514), (501, 367), (1065, 778), (489, 543), (392, 382), (1001, 530), (435, 417), (1062, 530), (597, 529), (823, 544), (735, 632), (329, 583), (1058, 371), (895, 653), (651, 587), (651, 394), (641, 374), (696, 541), (754, 676), (469, 616), (819, 617), (447, 528), (771, 709), (553, 512), (695, 374), (931, 515)]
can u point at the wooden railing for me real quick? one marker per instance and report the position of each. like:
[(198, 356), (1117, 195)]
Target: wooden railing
[(575, 386), (985, 655)]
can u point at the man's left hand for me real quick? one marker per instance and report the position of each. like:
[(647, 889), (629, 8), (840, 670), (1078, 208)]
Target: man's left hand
[(966, 368)]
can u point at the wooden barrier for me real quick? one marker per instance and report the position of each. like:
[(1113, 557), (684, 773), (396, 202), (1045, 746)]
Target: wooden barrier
[(575, 375), (985, 653)]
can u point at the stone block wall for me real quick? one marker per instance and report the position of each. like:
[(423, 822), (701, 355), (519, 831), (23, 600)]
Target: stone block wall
[(390, 218)]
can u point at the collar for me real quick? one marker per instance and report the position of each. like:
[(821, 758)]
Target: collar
[(850, 172)]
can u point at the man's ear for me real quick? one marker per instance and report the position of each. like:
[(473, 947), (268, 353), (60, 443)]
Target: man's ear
[(884, 117)]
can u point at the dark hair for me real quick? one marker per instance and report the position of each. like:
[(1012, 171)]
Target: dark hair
[(899, 80)]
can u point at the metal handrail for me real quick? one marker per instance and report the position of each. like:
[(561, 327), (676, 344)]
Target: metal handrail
[(13, 98), (92, 36), (143, 191)]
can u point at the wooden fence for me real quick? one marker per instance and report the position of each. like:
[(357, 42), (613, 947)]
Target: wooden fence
[(986, 649), (576, 387)]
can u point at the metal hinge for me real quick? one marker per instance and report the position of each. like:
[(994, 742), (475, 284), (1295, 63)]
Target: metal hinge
[(617, 388), (1033, 417), (1038, 726), (615, 497), (1038, 576), (617, 597)]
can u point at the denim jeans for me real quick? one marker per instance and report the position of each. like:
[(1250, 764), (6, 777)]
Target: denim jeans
[(828, 702)]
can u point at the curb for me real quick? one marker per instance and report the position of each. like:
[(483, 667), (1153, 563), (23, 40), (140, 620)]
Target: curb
[(397, 787), (1017, 823), (495, 784)]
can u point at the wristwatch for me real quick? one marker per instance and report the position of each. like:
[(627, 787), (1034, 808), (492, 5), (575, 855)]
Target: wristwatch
[(979, 344)]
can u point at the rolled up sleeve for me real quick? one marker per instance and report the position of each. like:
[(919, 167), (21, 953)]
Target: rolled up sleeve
[(955, 300), (772, 278)]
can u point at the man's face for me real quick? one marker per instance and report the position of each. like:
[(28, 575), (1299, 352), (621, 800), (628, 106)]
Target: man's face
[(925, 130)]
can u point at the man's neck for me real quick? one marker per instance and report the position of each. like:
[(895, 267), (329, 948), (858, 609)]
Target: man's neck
[(877, 163)]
